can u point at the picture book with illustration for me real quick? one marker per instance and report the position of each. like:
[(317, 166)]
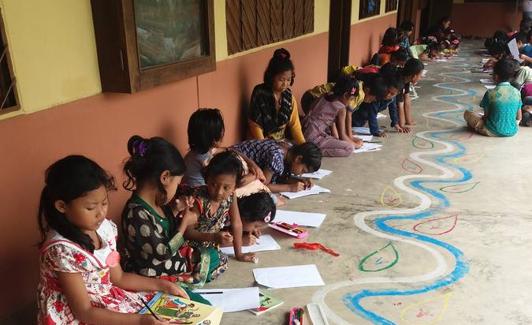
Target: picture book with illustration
[(178, 310)]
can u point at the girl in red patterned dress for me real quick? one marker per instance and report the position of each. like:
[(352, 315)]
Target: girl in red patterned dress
[(81, 280)]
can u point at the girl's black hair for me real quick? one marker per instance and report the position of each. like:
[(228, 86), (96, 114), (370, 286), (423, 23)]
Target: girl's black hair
[(66, 180), (505, 69), (374, 83), (345, 84), (413, 67), (400, 55), (310, 155), (149, 158), (390, 37), (205, 128), (224, 163), (256, 207), (406, 26), (444, 19), (279, 63), (521, 37), (392, 76)]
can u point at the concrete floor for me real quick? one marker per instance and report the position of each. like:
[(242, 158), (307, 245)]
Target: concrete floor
[(469, 265)]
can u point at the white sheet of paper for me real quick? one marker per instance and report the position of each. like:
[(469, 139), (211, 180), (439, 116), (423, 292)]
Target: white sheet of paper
[(441, 60), (381, 116), (264, 243), (367, 147), (514, 50), (485, 60), (361, 130), (365, 138), (319, 174), (306, 219), (486, 81), (231, 300), (490, 86), (315, 189), (288, 276)]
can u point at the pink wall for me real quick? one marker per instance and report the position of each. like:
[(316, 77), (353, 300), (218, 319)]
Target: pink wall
[(366, 38), (483, 18), (100, 126)]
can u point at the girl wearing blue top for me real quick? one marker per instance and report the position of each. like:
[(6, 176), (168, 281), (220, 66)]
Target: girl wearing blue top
[(502, 105)]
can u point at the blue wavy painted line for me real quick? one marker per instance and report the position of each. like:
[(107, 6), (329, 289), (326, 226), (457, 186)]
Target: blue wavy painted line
[(353, 301)]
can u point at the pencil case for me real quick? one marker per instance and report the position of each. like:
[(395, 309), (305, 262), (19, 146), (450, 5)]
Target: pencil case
[(292, 230)]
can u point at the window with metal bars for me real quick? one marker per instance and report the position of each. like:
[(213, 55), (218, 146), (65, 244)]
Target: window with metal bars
[(8, 96), (253, 23)]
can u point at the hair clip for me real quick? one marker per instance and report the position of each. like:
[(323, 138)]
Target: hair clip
[(141, 147), (268, 217)]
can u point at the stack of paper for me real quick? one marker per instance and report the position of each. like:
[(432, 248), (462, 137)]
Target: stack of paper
[(319, 174), (264, 243), (305, 219), (367, 147), (231, 300), (288, 276), (315, 189)]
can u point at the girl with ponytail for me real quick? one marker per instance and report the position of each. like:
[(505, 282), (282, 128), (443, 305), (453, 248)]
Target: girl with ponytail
[(81, 279), (273, 109)]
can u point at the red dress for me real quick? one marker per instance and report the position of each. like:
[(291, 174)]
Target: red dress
[(59, 254)]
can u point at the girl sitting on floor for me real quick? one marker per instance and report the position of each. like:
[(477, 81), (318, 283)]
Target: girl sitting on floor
[(279, 161), (81, 278), (502, 105), (205, 133), (153, 221), (325, 124), (214, 206), (273, 109)]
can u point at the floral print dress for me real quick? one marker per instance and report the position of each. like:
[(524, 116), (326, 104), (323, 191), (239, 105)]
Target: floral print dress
[(59, 254)]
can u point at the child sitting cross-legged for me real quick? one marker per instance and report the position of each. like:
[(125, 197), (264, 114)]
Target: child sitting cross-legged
[(215, 205), (502, 105), (81, 280), (280, 161)]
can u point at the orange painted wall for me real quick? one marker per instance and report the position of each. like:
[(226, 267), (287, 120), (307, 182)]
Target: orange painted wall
[(494, 16), (366, 38), (99, 127)]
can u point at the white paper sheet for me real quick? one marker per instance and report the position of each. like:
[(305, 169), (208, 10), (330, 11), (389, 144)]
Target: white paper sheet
[(319, 174), (514, 50), (306, 219), (231, 300), (441, 60), (264, 243), (381, 116), (368, 147), (486, 81), (485, 60), (361, 130), (289, 276), (365, 138), (315, 189), (490, 86)]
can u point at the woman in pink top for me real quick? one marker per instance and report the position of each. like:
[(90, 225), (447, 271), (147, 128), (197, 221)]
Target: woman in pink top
[(325, 123)]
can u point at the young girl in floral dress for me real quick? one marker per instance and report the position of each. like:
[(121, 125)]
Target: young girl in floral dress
[(81, 281)]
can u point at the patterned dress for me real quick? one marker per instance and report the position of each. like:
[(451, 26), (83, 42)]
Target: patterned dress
[(210, 223), (152, 245), (267, 154), (59, 254), (501, 106), (317, 128)]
